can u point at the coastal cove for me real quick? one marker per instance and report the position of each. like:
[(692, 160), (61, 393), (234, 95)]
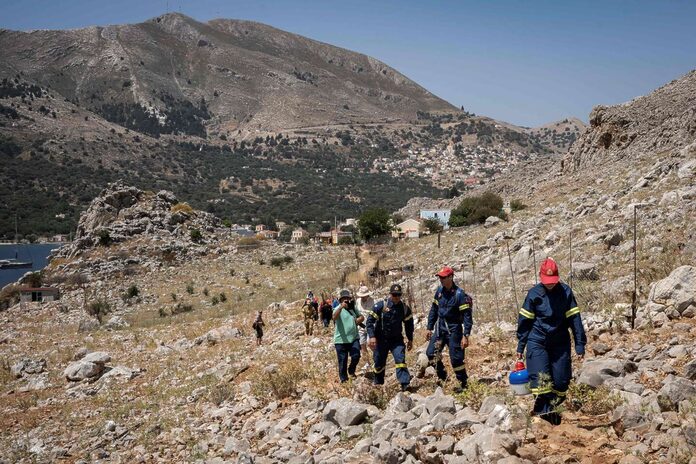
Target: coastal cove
[(37, 253)]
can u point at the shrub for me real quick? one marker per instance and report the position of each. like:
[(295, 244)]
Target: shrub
[(221, 393), (248, 242), (215, 300), (196, 235), (189, 288), (476, 392), (346, 241), (517, 205), (99, 309), (205, 291), (132, 292), (104, 237), (182, 208), (182, 308), (476, 209), (592, 401), (280, 261), (35, 279), (222, 297), (174, 297), (282, 382), (433, 225)]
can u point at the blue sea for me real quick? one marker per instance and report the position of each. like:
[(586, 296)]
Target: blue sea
[(37, 253)]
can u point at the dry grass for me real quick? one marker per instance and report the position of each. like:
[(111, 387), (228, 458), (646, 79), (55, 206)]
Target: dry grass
[(182, 208)]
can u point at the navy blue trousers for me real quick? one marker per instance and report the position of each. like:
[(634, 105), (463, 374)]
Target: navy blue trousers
[(452, 340), (549, 368), (398, 351), (343, 350)]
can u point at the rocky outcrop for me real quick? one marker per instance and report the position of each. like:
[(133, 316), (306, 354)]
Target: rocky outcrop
[(664, 120), (123, 212)]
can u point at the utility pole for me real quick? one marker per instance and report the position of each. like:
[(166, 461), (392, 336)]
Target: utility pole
[(512, 275), (534, 270), (570, 257), (495, 293), (634, 297)]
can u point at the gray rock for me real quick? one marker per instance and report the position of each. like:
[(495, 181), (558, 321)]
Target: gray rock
[(677, 290), (81, 370), (116, 322), (675, 390), (585, 271), (596, 371), (27, 366), (600, 349), (441, 419), (690, 370), (489, 403), (235, 446), (492, 221), (97, 357), (400, 403), (464, 419), (345, 412), (119, 373), (439, 402), (486, 445)]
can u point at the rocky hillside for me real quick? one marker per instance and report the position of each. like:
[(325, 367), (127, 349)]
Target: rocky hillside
[(149, 355), (224, 74), (558, 136), (661, 122)]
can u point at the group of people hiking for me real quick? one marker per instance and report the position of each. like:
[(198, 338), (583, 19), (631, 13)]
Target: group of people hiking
[(545, 322)]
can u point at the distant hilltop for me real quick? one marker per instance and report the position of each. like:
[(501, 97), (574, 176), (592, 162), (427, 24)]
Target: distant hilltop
[(232, 74)]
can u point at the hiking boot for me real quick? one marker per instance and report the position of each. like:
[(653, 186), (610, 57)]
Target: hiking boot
[(459, 389), (405, 387)]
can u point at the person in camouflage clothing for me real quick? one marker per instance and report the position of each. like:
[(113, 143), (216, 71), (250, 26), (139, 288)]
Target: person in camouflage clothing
[(309, 312)]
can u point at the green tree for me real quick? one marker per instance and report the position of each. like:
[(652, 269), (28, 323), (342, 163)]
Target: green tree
[(476, 209), (373, 223), (433, 225), (285, 235)]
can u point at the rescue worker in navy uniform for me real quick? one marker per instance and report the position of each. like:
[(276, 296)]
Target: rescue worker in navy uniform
[(549, 310), (384, 335), (449, 325)]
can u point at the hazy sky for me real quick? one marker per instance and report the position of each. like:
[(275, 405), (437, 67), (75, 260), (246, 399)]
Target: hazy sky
[(526, 62)]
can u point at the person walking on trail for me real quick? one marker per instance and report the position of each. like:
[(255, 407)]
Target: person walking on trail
[(346, 338), (449, 325), (364, 304), (326, 312), (548, 312), (309, 313), (258, 326), (384, 328)]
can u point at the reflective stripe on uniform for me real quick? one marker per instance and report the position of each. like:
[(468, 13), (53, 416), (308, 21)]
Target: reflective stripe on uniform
[(465, 306), (403, 365), (380, 370), (435, 301), (540, 391), (410, 316), (559, 393), (572, 311), (460, 368), (528, 314), (374, 314)]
